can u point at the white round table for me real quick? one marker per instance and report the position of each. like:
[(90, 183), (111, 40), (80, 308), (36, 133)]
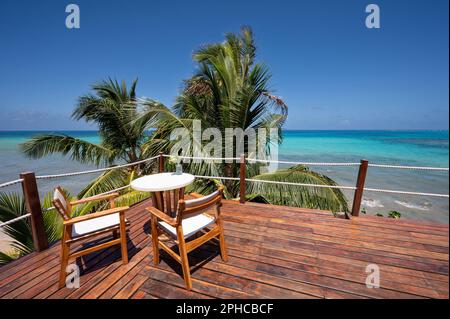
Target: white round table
[(161, 185)]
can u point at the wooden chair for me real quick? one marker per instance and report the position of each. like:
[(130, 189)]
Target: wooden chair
[(191, 218), (88, 226)]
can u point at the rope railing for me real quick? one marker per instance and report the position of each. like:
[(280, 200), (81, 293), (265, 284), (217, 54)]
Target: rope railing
[(14, 220), (425, 168), (218, 177), (17, 181), (96, 170), (324, 186), (13, 182), (114, 190), (303, 163), (377, 190), (242, 160), (49, 209), (445, 169), (205, 158), (300, 184)]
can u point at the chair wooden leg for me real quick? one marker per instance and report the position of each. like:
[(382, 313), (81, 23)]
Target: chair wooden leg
[(155, 234), (123, 237), (223, 246), (184, 259), (65, 249)]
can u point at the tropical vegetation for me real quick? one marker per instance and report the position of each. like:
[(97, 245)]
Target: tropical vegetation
[(229, 90), (114, 109), (20, 235)]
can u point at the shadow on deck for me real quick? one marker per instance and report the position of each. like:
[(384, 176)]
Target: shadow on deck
[(275, 252)]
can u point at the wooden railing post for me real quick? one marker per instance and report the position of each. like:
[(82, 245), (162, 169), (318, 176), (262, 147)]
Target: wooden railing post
[(33, 205), (242, 180), (161, 162), (357, 199)]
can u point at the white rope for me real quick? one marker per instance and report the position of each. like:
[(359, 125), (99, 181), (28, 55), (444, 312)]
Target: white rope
[(303, 163), (14, 220), (410, 167), (219, 177), (301, 184), (404, 192), (101, 194), (95, 170), (112, 191), (49, 209), (274, 182), (206, 158), (327, 186), (11, 183)]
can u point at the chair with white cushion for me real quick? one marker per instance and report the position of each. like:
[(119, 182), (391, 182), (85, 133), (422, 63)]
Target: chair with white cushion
[(192, 217), (111, 220)]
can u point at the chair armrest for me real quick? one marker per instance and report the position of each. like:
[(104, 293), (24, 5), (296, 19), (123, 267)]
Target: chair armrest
[(94, 198), (159, 214), (95, 215), (196, 195)]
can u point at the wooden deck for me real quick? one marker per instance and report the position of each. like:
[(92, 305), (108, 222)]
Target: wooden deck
[(275, 252)]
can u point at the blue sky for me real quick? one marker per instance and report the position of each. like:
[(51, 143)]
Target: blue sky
[(333, 72)]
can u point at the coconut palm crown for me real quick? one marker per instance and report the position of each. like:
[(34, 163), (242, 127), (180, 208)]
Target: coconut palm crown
[(231, 90)]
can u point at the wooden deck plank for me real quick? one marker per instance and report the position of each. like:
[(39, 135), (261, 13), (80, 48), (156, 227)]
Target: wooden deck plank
[(140, 294), (389, 224), (357, 274), (275, 252), (51, 268), (115, 287), (131, 287), (409, 249)]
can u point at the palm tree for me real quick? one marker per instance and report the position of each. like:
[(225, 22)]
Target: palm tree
[(12, 206), (231, 90), (113, 108)]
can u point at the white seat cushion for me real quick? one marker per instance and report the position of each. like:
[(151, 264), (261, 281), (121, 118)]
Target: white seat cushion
[(96, 224), (190, 225)]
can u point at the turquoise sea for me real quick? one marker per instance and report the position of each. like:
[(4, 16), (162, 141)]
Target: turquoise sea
[(416, 148)]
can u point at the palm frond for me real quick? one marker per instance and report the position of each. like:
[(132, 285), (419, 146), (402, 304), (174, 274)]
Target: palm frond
[(299, 196), (78, 150), (53, 223), (5, 258), (106, 182), (12, 205), (132, 197)]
